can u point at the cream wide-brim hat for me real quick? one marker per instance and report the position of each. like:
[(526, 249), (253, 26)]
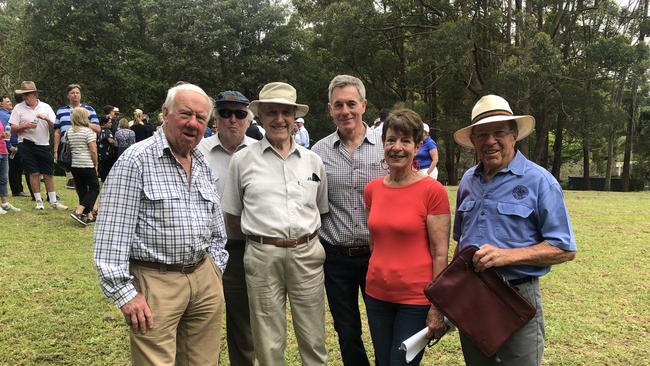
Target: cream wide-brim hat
[(492, 109), (26, 87), (278, 93)]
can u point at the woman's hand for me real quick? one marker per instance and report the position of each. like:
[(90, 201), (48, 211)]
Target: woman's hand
[(435, 323)]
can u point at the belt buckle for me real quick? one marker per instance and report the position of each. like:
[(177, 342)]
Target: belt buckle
[(292, 243), (185, 268)]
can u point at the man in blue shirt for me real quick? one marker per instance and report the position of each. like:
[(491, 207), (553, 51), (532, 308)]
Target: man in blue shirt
[(63, 121), (514, 210)]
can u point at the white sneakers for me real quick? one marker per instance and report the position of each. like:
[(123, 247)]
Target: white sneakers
[(39, 205), (58, 206), (2, 212), (9, 207)]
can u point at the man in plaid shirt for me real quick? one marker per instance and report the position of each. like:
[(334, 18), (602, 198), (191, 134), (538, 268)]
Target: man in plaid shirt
[(160, 237)]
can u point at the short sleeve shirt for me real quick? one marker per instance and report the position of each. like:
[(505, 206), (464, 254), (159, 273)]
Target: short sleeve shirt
[(22, 113), (276, 197), (78, 141), (63, 120), (521, 206)]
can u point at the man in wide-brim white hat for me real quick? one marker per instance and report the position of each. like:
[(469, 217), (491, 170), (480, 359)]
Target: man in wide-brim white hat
[(275, 193), (514, 210)]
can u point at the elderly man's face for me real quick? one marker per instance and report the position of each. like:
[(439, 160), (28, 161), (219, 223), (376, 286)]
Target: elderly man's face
[(186, 121), (494, 144), (229, 124), (346, 108), (31, 99), (278, 121)]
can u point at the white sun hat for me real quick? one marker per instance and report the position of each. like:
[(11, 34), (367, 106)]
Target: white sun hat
[(491, 109), (279, 93)]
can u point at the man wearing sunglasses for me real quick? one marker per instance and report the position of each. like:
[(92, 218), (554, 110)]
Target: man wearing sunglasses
[(232, 120)]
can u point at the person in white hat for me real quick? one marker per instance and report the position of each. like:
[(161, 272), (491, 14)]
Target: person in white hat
[(302, 135), (427, 156), (275, 193), (32, 120), (514, 210)]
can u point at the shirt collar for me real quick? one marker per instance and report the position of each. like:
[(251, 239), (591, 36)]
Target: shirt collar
[(265, 144), (370, 136), (214, 141), (517, 166), (161, 145)]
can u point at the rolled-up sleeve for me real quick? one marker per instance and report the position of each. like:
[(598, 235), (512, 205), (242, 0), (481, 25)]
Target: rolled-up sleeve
[(555, 224)]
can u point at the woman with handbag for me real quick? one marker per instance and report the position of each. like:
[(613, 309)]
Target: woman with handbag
[(408, 219), (83, 145)]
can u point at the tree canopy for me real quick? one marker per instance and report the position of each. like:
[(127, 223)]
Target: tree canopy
[(580, 67)]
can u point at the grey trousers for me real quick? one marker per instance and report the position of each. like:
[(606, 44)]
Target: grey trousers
[(525, 347)]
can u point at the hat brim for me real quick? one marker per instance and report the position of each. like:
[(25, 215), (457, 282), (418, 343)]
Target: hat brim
[(301, 109), (24, 91), (525, 125)]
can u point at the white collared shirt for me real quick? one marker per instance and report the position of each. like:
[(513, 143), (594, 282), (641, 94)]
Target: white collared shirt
[(218, 158)]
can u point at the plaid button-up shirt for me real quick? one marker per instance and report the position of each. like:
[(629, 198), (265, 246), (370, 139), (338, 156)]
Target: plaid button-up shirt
[(150, 211), (347, 176)]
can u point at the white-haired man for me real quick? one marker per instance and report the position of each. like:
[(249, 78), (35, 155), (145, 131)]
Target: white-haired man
[(275, 193), (160, 237)]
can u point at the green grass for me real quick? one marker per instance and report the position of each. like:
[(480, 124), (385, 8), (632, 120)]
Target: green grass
[(597, 307)]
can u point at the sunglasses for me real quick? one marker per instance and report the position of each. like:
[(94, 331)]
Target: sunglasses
[(226, 113)]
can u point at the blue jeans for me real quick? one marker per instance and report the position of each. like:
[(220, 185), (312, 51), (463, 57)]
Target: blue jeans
[(390, 324), (4, 174)]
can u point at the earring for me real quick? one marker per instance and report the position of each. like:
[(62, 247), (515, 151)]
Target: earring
[(384, 165), (415, 165)]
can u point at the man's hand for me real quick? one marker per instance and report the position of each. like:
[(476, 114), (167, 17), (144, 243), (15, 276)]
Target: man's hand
[(435, 323), (138, 314), (489, 256)]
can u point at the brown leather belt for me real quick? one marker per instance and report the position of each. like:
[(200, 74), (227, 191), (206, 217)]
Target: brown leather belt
[(283, 243), (164, 267)]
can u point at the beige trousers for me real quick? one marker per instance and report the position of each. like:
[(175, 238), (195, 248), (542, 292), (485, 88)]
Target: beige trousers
[(187, 311), (272, 274)]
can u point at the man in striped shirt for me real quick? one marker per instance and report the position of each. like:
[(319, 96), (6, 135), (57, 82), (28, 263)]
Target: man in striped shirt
[(352, 156), (63, 121)]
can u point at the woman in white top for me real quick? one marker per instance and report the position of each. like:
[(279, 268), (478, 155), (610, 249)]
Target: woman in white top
[(83, 145)]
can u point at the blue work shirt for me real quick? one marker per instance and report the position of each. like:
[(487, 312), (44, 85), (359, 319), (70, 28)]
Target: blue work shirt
[(521, 206)]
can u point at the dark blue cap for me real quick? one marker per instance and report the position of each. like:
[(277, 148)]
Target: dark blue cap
[(231, 96)]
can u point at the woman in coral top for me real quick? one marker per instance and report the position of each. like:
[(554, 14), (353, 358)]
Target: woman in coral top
[(408, 218)]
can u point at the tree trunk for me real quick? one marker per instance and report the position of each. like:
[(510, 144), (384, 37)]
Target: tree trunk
[(557, 145), (585, 158), (450, 159), (610, 160), (541, 137), (629, 134)]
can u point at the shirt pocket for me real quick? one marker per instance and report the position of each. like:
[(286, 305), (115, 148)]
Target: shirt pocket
[(466, 206), (162, 204), (309, 192), (513, 222)]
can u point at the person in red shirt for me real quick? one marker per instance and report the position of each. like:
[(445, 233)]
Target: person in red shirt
[(408, 219)]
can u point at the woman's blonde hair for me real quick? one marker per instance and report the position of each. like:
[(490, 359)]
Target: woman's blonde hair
[(79, 118), (137, 117)]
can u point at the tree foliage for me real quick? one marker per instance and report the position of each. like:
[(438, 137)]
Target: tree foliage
[(580, 67)]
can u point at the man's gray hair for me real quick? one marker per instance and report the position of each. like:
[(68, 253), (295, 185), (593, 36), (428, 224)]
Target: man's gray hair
[(171, 96), (340, 81)]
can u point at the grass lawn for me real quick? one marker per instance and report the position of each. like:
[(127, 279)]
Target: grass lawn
[(597, 307)]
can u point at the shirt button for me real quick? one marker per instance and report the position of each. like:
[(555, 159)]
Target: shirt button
[(482, 213)]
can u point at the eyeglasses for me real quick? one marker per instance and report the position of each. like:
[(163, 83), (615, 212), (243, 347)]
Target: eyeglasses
[(227, 113), (498, 134)]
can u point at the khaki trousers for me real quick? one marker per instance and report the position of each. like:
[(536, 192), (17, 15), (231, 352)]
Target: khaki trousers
[(272, 274), (187, 311)]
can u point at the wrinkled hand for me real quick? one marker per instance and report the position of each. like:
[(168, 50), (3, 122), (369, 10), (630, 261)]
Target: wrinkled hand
[(489, 256), (137, 314), (435, 323)]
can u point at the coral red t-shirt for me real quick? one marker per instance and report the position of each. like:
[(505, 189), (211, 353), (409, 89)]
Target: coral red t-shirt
[(401, 264)]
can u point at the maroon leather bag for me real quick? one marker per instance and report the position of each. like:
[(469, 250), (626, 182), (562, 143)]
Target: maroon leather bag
[(481, 304)]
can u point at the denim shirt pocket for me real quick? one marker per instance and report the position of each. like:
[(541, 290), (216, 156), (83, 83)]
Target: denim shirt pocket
[(513, 222)]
